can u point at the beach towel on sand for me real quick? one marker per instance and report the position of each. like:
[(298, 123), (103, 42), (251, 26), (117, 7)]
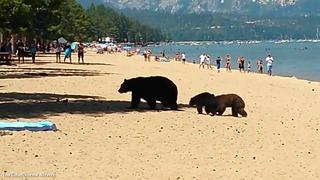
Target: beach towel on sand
[(31, 126)]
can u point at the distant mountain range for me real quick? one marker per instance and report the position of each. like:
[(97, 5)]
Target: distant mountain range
[(223, 19), (213, 6)]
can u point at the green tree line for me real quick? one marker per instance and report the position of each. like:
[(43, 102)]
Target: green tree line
[(51, 19)]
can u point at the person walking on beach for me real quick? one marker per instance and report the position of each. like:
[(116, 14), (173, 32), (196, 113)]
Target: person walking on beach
[(202, 60), (183, 57), (269, 61), (80, 52), (58, 52), (218, 63), (228, 62)]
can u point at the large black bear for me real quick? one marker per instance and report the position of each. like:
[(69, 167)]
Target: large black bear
[(231, 100), (206, 100), (151, 89)]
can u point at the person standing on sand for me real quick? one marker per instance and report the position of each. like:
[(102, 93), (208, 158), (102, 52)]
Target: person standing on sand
[(20, 46), (260, 66), (228, 62), (202, 60), (249, 67), (145, 55), (8, 48), (67, 53), (149, 53), (208, 61), (80, 52), (241, 61), (183, 56), (58, 52), (33, 52), (218, 63), (269, 61)]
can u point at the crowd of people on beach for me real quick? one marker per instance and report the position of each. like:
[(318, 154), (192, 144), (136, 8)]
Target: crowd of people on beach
[(205, 61), (57, 48), (22, 49)]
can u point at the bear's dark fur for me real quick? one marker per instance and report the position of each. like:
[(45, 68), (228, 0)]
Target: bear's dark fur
[(206, 100), (151, 89), (231, 100)]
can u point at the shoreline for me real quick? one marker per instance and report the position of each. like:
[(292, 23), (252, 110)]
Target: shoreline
[(189, 61)]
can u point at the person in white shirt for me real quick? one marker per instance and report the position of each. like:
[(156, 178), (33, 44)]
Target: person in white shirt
[(269, 61), (183, 57), (202, 60)]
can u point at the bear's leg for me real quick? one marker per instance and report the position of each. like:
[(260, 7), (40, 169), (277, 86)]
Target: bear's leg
[(199, 109), (166, 103), (209, 110), (135, 100), (234, 111), (221, 109), (174, 106), (152, 103)]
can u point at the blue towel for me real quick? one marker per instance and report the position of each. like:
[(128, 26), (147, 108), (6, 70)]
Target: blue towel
[(31, 126)]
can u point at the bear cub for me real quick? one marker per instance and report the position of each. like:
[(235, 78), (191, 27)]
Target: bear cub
[(206, 100), (231, 100), (218, 104)]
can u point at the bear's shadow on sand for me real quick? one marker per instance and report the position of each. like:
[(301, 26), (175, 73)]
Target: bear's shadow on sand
[(15, 105)]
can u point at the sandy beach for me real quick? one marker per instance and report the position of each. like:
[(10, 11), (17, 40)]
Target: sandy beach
[(99, 138)]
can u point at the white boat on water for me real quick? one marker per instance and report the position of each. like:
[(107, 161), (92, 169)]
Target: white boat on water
[(195, 43), (282, 41)]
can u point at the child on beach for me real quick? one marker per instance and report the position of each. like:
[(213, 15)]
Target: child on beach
[(249, 67)]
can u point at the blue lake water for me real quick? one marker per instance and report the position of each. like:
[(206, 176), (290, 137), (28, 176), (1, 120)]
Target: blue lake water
[(299, 59)]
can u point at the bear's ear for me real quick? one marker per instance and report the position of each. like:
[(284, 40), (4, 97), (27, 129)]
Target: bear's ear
[(125, 80)]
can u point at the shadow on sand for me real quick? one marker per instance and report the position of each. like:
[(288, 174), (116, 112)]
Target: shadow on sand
[(40, 105), (19, 73)]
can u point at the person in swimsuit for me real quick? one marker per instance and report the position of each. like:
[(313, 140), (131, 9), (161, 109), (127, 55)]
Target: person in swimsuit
[(228, 62)]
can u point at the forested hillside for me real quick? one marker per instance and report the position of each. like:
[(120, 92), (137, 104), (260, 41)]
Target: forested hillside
[(51, 19)]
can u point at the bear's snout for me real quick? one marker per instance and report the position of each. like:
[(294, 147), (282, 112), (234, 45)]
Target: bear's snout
[(120, 91)]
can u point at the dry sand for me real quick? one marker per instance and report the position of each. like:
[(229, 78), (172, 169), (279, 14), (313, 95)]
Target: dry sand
[(100, 139)]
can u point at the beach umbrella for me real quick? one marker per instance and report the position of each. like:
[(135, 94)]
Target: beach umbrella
[(62, 40), (74, 45)]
